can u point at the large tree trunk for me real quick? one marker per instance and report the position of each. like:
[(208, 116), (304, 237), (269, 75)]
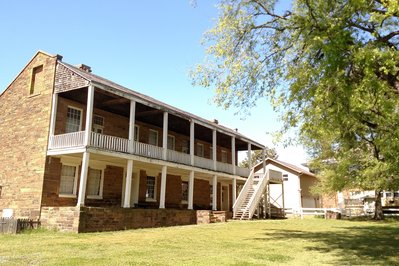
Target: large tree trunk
[(378, 214)]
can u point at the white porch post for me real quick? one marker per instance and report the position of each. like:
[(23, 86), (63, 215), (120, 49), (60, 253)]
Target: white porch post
[(83, 179), (234, 190), (53, 113), (128, 184), (192, 142), (89, 114), (132, 121), (263, 160), (233, 154), (214, 148), (249, 156), (214, 192), (163, 187), (165, 136), (191, 190)]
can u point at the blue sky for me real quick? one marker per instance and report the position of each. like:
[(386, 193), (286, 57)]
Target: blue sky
[(148, 46)]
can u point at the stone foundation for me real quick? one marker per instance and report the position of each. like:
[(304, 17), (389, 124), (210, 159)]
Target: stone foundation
[(99, 219)]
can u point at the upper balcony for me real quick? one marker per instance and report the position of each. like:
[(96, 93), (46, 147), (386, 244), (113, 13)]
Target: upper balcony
[(139, 125)]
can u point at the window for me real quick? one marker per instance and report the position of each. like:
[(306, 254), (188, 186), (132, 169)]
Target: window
[(151, 188), (136, 133), (68, 182), (153, 137), (388, 194), (171, 142), (184, 191), (200, 150), (224, 156), (37, 80), (395, 194), (74, 120), (211, 153), (98, 124), (94, 183), (185, 147)]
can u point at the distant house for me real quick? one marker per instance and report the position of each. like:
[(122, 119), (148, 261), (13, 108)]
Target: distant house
[(81, 153)]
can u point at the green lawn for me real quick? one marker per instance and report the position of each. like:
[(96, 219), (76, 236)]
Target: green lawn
[(269, 242)]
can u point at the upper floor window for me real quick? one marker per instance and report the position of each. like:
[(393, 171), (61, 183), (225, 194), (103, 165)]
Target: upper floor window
[(224, 156), (211, 153), (136, 133), (74, 120), (68, 182), (37, 80), (98, 124), (151, 188), (185, 146), (200, 150), (171, 142), (95, 183), (153, 137)]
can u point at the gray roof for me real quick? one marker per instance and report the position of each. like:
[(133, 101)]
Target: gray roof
[(294, 168), (105, 82)]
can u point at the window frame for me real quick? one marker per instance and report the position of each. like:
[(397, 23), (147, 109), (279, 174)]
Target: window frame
[(100, 195), (136, 136), (223, 153), (174, 142), (157, 138), (75, 183), (151, 199), (185, 147), (98, 126), (81, 118), (202, 149)]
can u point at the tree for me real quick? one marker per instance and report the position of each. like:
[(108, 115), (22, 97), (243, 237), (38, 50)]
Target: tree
[(257, 157), (330, 67)]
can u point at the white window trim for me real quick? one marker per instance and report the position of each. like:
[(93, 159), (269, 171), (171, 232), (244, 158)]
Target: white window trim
[(152, 130), (203, 152), (186, 149), (136, 129), (174, 141), (223, 151), (147, 199), (97, 166), (75, 182), (96, 125), (81, 115)]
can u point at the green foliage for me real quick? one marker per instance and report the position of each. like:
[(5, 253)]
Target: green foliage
[(257, 157), (330, 67)]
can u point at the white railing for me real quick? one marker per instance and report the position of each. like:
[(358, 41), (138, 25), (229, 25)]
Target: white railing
[(243, 194), (147, 150), (203, 162), (178, 157), (224, 167), (68, 140), (242, 171), (315, 211), (109, 142), (253, 203)]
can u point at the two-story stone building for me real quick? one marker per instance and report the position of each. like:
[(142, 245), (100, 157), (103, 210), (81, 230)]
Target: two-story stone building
[(81, 153)]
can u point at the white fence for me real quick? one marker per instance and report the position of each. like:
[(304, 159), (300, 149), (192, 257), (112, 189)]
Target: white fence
[(68, 140), (109, 142)]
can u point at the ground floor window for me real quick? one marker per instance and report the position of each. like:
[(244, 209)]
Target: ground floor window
[(184, 191), (151, 188), (68, 182), (94, 183)]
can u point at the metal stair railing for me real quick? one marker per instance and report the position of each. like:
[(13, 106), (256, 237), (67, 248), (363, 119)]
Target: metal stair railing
[(243, 194)]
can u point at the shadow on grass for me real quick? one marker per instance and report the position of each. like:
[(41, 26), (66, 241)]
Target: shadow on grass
[(352, 245)]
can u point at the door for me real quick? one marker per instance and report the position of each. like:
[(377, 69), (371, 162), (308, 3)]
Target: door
[(225, 198)]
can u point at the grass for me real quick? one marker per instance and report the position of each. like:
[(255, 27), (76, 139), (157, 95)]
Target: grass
[(294, 241)]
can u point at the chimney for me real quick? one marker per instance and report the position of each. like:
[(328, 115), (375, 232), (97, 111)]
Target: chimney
[(84, 67), (215, 121)]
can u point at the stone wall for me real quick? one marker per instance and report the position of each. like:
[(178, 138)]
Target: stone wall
[(24, 127), (65, 219)]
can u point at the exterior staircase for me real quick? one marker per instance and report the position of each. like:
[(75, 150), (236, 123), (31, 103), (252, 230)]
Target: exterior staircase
[(250, 196)]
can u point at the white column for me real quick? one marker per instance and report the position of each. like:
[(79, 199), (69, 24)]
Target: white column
[(132, 121), (128, 184), (165, 135), (163, 187), (191, 191), (192, 142), (53, 118), (234, 190), (233, 154), (214, 192), (83, 179), (249, 156), (264, 160), (89, 114), (214, 148)]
